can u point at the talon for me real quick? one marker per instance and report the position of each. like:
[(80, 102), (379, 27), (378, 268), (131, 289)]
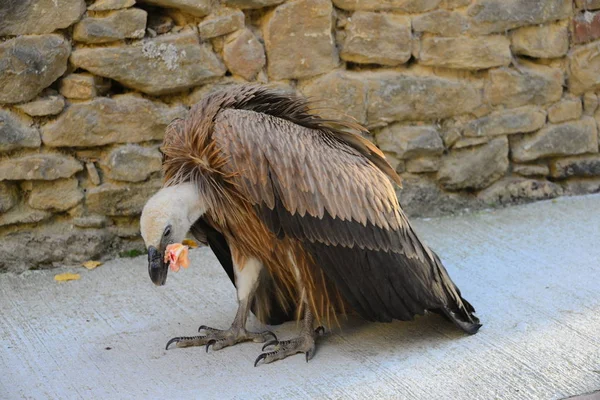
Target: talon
[(202, 327), (174, 340), (320, 330), (260, 357), (309, 355), (269, 343), (272, 334), (210, 342)]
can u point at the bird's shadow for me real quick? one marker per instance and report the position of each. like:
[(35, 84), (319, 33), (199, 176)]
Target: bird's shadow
[(374, 338)]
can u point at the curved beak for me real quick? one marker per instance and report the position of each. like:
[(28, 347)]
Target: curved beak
[(157, 268)]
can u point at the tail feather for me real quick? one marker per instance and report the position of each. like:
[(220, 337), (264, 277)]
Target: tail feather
[(470, 325)]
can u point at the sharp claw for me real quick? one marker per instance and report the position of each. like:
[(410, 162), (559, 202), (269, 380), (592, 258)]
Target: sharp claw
[(269, 343), (260, 357), (170, 342), (309, 355), (320, 330), (210, 343), (202, 327), (272, 334)]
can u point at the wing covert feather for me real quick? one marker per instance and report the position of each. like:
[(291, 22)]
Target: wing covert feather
[(310, 172)]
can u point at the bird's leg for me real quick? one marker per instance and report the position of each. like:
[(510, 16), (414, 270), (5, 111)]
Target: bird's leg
[(247, 282), (304, 343)]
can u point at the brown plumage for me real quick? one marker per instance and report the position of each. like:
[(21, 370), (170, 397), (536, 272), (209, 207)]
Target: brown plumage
[(314, 202)]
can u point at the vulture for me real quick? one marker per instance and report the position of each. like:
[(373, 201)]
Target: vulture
[(301, 213)]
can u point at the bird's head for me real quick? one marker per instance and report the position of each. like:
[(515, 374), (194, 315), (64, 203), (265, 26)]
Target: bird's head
[(166, 219)]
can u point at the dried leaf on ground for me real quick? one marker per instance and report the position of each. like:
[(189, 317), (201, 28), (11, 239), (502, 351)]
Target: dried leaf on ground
[(91, 264), (67, 276)]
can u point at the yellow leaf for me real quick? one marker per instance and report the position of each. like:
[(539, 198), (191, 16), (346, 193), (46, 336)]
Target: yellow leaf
[(190, 243), (66, 277), (91, 264)]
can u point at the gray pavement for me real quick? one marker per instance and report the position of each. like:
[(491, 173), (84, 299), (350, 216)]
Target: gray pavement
[(532, 272)]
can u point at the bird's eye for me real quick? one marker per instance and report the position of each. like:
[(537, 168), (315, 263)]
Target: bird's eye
[(167, 231)]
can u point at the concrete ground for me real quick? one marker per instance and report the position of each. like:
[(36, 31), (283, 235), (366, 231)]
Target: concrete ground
[(532, 272)]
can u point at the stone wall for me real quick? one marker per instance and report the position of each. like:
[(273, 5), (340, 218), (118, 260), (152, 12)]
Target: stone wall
[(476, 102)]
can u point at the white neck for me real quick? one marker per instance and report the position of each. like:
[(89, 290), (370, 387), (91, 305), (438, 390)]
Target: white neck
[(179, 206)]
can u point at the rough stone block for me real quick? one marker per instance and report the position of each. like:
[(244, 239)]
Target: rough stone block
[(377, 38), (516, 190), (22, 214), (159, 23), (244, 55), (532, 84), (252, 4), (531, 169), (83, 86), (42, 106), (494, 16), (590, 103), (166, 64), (30, 17), (59, 195), (470, 142), (579, 186), (198, 8), (93, 174), (16, 133), (121, 119), (422, 196), (465, 52), (118, 25), (126, 227), (569, 138), (304, 48), (588, 165), (410, 141), (410, 6), (584, 64), (59, 243), (506, 122), (45, 166), (450, 135), (588, 4), (344, 92), (29, 64), (106, 5), (423, 164), (476, 167), (132, 163), (221, 22), (404, 96), (9, 196), (586, 27), (90, 221), (120, 199), (541, 41), (441, 22), (452, 4), (565, 110)]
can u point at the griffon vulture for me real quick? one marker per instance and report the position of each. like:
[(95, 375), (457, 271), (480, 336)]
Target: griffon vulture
[(301, 213)]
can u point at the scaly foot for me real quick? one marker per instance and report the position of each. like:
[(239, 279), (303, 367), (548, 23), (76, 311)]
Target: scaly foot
[(305, 343), (219, 339)]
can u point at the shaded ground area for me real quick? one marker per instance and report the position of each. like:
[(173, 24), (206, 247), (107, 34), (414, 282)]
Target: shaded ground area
[(532, 272)]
